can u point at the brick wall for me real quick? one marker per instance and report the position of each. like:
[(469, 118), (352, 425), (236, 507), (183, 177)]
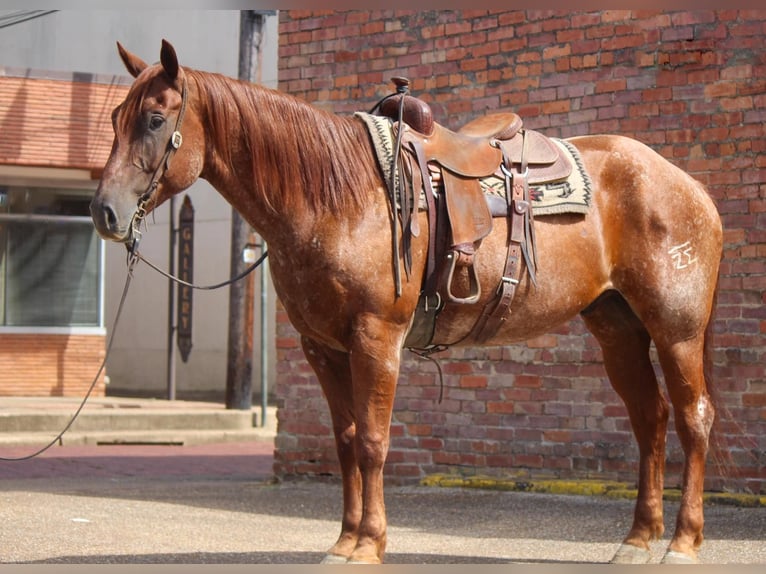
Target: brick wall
[(50, 365), (689, 84)]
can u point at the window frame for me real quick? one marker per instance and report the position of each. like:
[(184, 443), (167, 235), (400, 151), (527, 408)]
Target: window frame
[(65, 180)]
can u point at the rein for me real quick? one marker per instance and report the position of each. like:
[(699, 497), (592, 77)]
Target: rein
[(133, 258), (401, 90), (245, 273), (131, 264)]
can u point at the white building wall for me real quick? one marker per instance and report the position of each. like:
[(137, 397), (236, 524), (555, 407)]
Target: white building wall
[(84, 41)]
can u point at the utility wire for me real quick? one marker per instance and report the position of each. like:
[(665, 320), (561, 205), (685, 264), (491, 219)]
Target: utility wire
[(19, 16)]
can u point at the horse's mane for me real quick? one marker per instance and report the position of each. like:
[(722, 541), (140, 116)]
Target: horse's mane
[(294, 147)]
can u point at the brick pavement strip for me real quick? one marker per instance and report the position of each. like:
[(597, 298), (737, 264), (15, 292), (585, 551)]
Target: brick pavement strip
[(231, 459)]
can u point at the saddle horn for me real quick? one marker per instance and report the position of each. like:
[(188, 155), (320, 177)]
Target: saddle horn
[(417, 114)]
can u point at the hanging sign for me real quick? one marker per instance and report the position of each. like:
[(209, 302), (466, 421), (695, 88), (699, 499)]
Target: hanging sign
[(185, 273)]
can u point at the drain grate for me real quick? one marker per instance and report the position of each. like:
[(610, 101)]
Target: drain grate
[(140, 443)]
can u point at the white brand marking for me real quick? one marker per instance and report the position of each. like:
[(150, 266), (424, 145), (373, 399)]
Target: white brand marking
[(682, 255)]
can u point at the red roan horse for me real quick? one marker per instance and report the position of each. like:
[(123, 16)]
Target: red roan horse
[(308, 182)]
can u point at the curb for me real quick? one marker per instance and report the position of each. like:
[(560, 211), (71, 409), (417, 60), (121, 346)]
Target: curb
[(605, 488), (160, 437)]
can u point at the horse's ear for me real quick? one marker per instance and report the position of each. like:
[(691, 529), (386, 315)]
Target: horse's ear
[(169, 59), (133, 63)]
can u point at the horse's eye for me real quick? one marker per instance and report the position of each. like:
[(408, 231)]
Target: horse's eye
[(156, 122)]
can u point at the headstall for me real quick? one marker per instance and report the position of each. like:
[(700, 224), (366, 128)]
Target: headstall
[(175, 141)]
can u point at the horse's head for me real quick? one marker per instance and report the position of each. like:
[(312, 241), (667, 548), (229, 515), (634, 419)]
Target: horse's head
[(148, 162)]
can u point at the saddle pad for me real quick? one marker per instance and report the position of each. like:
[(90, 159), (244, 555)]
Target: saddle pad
[(380, 129), (570, 195)]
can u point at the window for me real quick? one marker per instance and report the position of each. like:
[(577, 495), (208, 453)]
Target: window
[(50, 259)]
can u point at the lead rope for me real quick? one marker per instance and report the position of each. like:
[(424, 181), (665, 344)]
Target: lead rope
[(132, 260)]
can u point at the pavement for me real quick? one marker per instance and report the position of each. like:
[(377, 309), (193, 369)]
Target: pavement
[(218, 503)]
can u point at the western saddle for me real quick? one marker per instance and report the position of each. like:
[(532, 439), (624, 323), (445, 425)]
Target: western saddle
[(446, 167)]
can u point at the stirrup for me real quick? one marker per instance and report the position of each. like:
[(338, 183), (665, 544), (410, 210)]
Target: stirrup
[(473, 278)]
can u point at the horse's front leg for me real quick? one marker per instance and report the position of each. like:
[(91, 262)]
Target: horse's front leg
[(334, 373), (375, 357)]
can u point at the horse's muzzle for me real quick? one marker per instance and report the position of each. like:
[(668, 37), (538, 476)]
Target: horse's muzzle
[(107, 222)]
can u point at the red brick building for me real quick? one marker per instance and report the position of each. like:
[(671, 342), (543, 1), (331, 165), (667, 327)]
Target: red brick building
[(55, 137), (689, 84)]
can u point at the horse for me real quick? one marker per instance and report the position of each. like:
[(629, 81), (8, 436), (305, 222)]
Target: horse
[(640, 267)]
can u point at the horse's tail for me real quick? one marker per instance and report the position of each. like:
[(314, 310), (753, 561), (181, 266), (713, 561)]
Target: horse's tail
[(707, 352), (719, 453)]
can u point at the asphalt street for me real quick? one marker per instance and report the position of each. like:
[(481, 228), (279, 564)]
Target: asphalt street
[(218, 504)]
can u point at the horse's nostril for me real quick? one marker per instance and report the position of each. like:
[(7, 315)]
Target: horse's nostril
[(110, 217)]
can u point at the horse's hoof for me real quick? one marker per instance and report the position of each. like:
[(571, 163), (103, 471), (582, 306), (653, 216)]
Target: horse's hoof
[(334, 559), (364, 559), (675, 557), (629, 554)]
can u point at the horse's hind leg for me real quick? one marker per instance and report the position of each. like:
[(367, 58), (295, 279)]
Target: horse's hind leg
[(682, 364), (625, 344), (334, 374)]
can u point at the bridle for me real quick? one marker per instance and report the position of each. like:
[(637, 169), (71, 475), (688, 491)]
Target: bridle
[(175, 141)]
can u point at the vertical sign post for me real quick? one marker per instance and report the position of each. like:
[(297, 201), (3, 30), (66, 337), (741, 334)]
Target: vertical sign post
[(185, 273)]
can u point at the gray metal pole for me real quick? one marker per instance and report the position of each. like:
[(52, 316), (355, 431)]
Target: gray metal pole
[(264, 340), (171, 366)]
